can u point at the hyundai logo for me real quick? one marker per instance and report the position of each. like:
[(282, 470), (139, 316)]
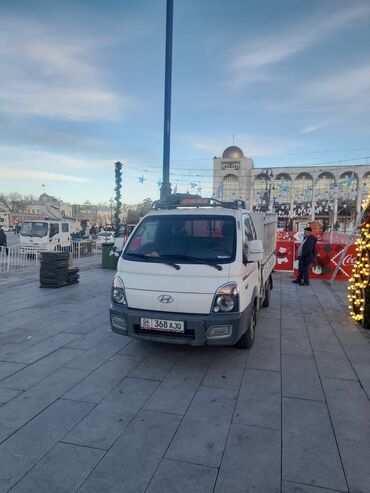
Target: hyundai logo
[(165, 298)]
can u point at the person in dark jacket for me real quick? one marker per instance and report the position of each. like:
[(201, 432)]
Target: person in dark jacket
[(306, 255), (3, 242)]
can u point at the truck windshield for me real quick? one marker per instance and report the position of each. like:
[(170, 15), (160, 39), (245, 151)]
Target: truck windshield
[(34, 229), (184, 239)]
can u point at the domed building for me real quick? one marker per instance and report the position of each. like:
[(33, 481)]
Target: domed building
[(331, 194), (232, 152)]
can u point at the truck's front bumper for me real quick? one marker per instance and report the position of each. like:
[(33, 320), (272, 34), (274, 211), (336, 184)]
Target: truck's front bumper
[(199, 329)]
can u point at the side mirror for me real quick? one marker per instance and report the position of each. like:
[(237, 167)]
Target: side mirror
[(255, 251)]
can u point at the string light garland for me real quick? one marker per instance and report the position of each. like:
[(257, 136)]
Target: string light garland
[(359, 282)]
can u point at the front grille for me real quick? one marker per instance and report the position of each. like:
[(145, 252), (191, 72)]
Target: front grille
[(188, 334)]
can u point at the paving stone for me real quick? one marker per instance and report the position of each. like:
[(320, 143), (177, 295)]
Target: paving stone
[(300, 378), (289, 487), (179, 386), (14, 335), (136, 347), (23, 408), (270, 313), (293, 342), (44, 348), (296, 322), (227, 368), (34, 373), (23, 450), (265, 354), (259, 401), (334, 365), (203, 431), (63, 470), (131, 462), (5, 433), (87, 325), (310, 454), (8, 352), (349, 409), (268, 328), (181, 477), (101, 381), (251, 461), (157, 364), (96, 356), (91, 339), (7, 395), (7, 369), (106, 421)]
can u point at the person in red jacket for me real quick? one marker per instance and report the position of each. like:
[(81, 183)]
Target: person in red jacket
[(306, 255)]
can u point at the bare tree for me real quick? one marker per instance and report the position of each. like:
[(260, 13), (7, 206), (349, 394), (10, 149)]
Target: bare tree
[(10, 200)]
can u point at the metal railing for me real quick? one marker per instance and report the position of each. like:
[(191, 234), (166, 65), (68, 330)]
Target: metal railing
[(19, 256)]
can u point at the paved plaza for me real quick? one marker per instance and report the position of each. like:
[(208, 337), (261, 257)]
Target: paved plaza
[(83, 409)]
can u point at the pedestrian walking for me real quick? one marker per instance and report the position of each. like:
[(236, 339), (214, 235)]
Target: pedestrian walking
[(306, 255), (3, 242)]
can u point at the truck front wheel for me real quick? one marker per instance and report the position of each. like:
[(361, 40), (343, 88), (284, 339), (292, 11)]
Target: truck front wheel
[(247, 339)]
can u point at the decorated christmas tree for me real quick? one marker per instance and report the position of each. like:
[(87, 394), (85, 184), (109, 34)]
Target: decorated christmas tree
[(117, 212), (359, 283)]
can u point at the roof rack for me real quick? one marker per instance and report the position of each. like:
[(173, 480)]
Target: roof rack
[(188, 200)]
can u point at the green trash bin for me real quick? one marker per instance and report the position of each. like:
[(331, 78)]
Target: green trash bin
[(108, 261)]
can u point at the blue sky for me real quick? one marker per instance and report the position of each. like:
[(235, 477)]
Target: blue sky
[(82, 86)]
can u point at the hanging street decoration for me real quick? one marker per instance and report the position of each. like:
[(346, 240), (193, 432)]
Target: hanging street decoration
[(141, 179), (359, 296), (118, 195), (159, 183)]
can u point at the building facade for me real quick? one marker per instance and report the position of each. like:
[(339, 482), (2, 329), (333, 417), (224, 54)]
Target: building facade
[(329, 194)]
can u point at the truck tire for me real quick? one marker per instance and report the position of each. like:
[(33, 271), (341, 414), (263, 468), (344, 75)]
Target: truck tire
[(247, 339), (266, 299)]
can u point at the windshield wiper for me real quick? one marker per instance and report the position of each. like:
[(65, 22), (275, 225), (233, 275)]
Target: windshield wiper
[(195, 259), (149, 258)]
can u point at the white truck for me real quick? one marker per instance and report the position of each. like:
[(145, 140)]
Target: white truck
[(5, 221), (47, 235), (195, 271)]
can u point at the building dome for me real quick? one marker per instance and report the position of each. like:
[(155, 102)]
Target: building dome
[(232, 152)]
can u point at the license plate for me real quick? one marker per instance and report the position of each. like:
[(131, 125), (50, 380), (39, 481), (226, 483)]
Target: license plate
[(162, 325)]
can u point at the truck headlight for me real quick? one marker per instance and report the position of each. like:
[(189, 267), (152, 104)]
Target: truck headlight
[(118, 291), (226, 298)]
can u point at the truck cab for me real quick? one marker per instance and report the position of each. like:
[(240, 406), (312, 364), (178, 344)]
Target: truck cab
[(46, 235), (195, 271)]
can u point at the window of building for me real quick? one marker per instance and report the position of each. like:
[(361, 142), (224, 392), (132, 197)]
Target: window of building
[(64, 227), (230, 188)]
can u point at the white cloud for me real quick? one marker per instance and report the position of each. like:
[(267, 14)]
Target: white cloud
[(24, 157), (27, 174), (252, 145), (350, 86), (311, 128), (50, 72), (252, 56)]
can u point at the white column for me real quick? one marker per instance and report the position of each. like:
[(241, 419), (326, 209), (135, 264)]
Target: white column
[(358, 201), (251, 194), (335, 209), (313, 202)]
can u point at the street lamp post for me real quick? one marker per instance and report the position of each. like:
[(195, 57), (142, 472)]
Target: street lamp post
[(166, 186), (269, 175), (111, 211)]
